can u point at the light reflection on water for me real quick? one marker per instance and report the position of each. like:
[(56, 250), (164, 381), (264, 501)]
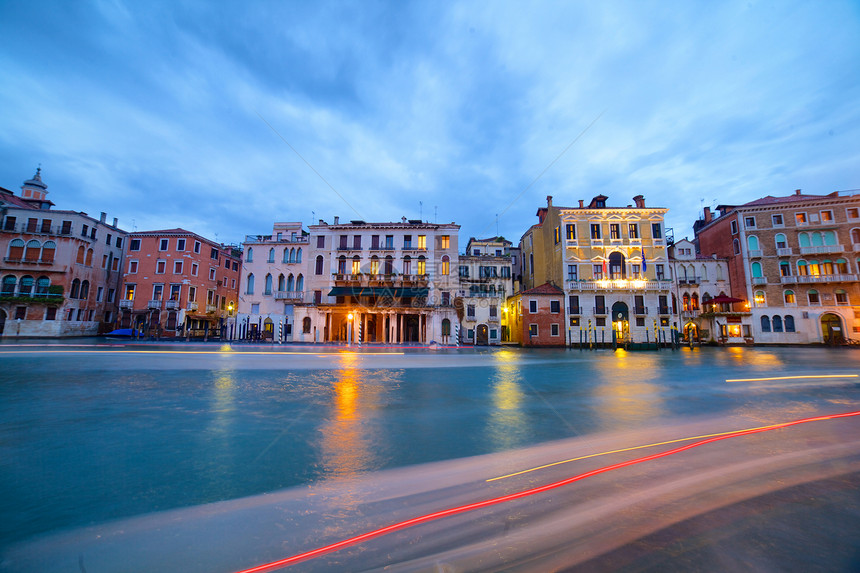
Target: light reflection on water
[(626, 392), (506, 425)]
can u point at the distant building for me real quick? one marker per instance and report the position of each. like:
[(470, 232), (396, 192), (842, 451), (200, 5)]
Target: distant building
[(60, 272), (273, 296), (536, 316), (179, 284), (381, 282), (486, 280), (612, 263), (792, 264)]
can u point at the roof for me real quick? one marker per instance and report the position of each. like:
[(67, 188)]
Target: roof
[(545, 288), (771, 200), (9, 198)]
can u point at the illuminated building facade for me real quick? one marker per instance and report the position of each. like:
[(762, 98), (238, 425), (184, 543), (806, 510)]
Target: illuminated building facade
[(486, 275), (793, 263), (272, 293), (179, 284), (382, 282), (60, 272), (613, 265)]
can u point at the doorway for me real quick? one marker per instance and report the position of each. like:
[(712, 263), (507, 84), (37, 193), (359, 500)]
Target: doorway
[(831, 329), (482, 337), (620, 321), (2, 321)]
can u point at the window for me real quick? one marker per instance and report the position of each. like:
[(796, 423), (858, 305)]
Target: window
[(318, 269), (84, 230), (162, 245), (119, 242), (470, 310), (177, 267), (67, 228), (777, 220), (421, 266), (407, 241), (633, 230), (180, 244), (553, 329), (853, 213), (777, 323), (464, 271), (134, 245), (752, 243), (533, 330), (129, 292), (249, 257), (600, 304), (107, 237), (227, 264), (595, 231), (533, 307), (356, 242), (211, 274), (749, 222), (111, 294), (194, 269), (656, 232), (356, 265), (788, 297), (572, 272), (841, 297), (389, 241), (813, 296), (271, 258), (213, 254), (597, 272), (759, 298), (446, 266), (494, 311), (570, 232), (10, 224), (556, 233), (734, 227), (250, 284), (827, 216), (756, 270), (781, 243), (789, 323), (192, 294), (800, 219), (555, 306), (660, 270), (422, 241), (736, 246), (268, 285), (160, 266), (132, 267)]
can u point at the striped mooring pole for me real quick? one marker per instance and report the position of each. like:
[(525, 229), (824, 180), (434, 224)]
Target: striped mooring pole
[(358, 338), (457, 335)]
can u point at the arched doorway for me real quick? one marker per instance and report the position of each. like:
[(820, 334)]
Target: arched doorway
[(268, 329), (2, 321), (831, 329), (482, 337), (691, 332), (617, 268), (620, 321)]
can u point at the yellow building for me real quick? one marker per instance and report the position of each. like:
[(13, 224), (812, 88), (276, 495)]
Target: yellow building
[(612, 264)]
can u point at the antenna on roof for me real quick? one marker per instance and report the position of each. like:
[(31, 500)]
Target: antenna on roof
[(421, 210), (497, 224), (435, 213)]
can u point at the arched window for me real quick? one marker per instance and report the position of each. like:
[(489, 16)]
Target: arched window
[(374, 265), (25, 287), (268, 284), (829, 238), (446, 327), (356, 265), (318, 269), (814, 268), (282, 285), (814, 297), (720, 272), (691, 272), (779, 240), (33, 251), (76, 289), (759, 298), (840, 267), (446, 265), (704, 275), (299, 255), (841, 296), (389, 265), (817, 240), (250, 289), (788, 297), (48, 250), (826, 267), (756, 269), (300, 283), (81, 255), (617, 267), (16, 249), (306, 325), (89, 262), (694, 301), (685, 302), (752, 243), (736, 247), (422, 267), (784, 269), (803, 240), (293, 255), (802, 268), (341, 265), (407, 265), (789, 323), (682, 273), (286, 258), (85, 290), (765, 323), (250, 257), (777, 323), (9, 282), (271, 258), (290, 283)]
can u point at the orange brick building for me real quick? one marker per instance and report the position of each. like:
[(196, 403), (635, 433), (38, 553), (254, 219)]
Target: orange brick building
[(536, 316)]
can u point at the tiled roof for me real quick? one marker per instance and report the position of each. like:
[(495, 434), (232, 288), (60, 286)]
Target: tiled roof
[(771, 200), (9, 198), (545, 288)]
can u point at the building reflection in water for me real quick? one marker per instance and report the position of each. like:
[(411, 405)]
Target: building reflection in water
[(507, 425), (624, 393), (346, 448)]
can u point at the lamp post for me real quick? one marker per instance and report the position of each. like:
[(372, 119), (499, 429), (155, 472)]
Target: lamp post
[(349, 330), (230, 315)]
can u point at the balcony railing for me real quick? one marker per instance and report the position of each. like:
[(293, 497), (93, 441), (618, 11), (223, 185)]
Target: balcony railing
[(574, 310), (258, 239), (819, 249), (126, 303), (599, 310), (172, 305), (784, 251), (153, 304), (689, 281), (806, 279), (211, 308), (622, 284), (640, 310), (755, 253), (289, 295), (663, 310), (759, 280), (191, 305)]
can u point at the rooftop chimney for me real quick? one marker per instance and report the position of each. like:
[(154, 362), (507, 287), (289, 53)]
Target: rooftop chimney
[(582, 203), (336, 219), (115, 221), (640, 201), (403, 219), (103, 217), (797, 191), (322, 222), (707, 215), (549, 200)]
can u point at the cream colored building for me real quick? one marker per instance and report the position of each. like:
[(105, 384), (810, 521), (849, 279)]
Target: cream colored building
[(486, 279)]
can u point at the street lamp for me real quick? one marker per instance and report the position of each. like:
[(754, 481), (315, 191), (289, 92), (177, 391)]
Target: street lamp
[(349, 330)]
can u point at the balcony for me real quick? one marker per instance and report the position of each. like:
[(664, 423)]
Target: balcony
[(663, 310), (599, 310), (755, 253), (640, 310), (211, 308), (262, 239), (172, 305), (191, 305), (620, 284), (784, 251), (759, 280), (689, 314), (289, 295), (810, 279), (574, 310), (821, 249), (855, 246), (689, 281), (154, 304), (127, 304)]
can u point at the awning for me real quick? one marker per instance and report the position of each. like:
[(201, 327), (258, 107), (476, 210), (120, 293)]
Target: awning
[(379, 291), (722, 300)]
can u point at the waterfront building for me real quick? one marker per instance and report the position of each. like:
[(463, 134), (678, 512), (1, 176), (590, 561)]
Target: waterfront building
[(381, 282), (60, 274), (613, 265), (273, 286), (179, 284), (793, 260), (700, 280), (486, 279), (536, 316)]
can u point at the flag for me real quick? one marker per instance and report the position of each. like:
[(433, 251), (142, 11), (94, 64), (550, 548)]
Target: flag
[(644, 264), (605, 274)]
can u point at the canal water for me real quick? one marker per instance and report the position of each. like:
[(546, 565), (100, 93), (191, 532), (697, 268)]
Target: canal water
[(95, 433)]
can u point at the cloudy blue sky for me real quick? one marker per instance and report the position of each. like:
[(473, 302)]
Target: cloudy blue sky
[(225, 117)]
